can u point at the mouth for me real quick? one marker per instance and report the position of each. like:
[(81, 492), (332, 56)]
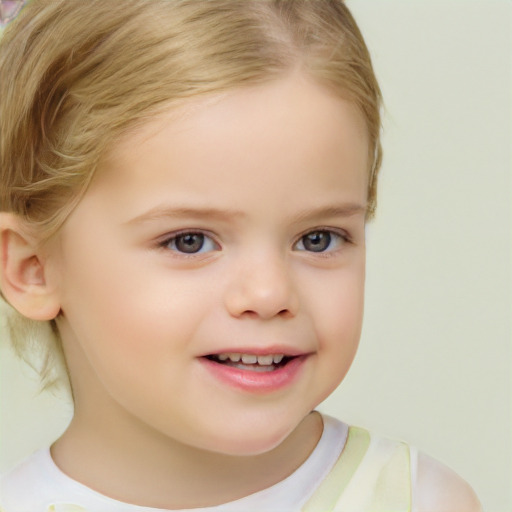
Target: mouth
[(251, 362), (255, 373)]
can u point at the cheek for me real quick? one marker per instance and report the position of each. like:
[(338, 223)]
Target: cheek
[(129, 316), (338, 322), (339, 305)]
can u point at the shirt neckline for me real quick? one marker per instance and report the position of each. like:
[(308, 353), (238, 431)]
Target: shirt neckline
[(287, 495)]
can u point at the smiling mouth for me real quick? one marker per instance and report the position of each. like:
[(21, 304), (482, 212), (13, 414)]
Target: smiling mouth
[(251, 362)]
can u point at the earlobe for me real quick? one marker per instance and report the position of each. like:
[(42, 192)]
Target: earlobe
[(23, 274)]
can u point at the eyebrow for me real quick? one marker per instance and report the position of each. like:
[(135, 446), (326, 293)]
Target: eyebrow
[(164, 212), (342, 210)]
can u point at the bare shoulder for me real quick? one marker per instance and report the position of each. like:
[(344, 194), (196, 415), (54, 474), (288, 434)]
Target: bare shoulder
[(439, 489)]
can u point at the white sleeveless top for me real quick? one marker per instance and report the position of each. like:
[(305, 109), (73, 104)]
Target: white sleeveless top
[(38, 485)]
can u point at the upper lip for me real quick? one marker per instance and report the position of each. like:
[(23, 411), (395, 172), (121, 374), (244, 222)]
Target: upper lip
[(259, 351)]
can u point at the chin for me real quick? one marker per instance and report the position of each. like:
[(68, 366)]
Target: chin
[(257, 440), (245, 446)]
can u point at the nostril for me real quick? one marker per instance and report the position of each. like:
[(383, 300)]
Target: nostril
[(261, 296)]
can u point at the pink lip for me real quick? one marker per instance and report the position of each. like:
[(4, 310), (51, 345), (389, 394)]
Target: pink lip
[(260, 351), (256, 382)]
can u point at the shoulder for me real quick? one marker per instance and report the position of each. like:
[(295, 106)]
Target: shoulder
[(23, 488), (439, 489)]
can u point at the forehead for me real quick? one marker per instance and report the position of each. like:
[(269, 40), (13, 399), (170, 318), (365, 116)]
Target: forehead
[(291, 131)]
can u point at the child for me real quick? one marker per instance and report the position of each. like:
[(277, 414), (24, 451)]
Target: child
[(185, 187)]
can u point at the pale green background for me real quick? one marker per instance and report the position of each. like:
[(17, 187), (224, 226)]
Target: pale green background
[(434, 366)]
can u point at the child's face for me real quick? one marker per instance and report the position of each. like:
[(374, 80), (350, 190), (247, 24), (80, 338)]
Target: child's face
[(236, 227)]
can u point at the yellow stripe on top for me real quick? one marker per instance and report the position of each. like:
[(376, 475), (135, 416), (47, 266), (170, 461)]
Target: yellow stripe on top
[(328, 493), (393, 487), (65, 507), (371, 475)]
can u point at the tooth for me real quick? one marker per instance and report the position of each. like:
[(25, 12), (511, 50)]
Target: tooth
[(249, 359), (265, 360), (234, 357), (277, 358), (223, 357)]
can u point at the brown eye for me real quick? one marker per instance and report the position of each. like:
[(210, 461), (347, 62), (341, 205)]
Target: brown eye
[(317, 241), (190, 243), (320, 241)]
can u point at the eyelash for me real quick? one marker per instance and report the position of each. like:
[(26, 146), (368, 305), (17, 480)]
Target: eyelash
[(164, 244), (343, 238)]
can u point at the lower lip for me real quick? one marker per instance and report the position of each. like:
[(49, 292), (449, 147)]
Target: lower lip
[(253, 381)]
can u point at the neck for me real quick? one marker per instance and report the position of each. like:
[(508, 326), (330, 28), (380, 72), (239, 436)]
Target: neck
[(143, 467)]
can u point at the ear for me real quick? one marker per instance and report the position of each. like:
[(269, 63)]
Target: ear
[(23, 273)]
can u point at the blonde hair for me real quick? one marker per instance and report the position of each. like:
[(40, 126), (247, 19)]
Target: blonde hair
[(75, 76)]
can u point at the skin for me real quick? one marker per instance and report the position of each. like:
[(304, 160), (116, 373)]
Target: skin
[(137, 316), (152, 425)]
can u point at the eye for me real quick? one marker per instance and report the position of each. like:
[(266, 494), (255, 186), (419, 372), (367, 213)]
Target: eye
[(190, 243), (321, 240)]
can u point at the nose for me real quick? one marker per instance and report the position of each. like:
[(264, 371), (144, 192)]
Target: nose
[(263, 289)]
